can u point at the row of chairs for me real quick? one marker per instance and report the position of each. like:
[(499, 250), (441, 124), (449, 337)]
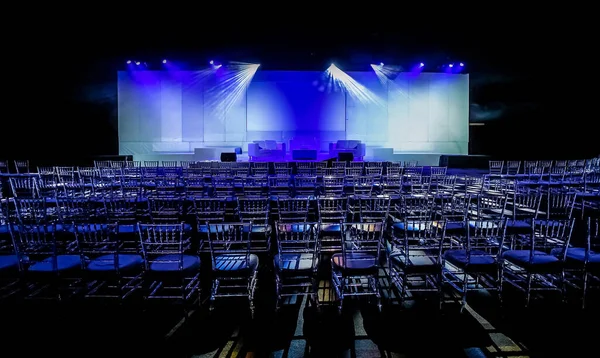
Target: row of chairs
[(542, 167), (422, 257), (33, 187), (23, 166)]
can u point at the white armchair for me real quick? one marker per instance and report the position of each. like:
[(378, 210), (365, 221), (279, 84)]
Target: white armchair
[(266, 150)]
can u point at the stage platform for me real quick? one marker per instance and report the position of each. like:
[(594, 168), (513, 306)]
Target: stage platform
[(424, 159)]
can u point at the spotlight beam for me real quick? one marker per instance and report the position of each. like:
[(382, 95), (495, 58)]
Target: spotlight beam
[(232, 82), (338, 78)]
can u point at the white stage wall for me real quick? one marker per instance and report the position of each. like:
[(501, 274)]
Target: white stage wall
[(177, 111)]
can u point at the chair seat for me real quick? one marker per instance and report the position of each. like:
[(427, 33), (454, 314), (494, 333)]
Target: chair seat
[(575, 256), (518, 224), (483, 224), (420, 262), (331, 227), (107, 262), (541, 261), (171, 263), (478, 261), (237, 264), (63, 263), (296, 262), (8, 262), (256, 229), (420, 226), (355, 262), (451, 225)]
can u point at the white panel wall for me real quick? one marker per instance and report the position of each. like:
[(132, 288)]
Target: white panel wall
[(168, 112)]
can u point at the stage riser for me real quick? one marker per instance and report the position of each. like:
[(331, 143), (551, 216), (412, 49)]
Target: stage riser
[(422, 159)]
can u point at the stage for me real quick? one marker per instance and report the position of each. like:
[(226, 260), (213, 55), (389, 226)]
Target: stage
[(423, 159), (197, 115)]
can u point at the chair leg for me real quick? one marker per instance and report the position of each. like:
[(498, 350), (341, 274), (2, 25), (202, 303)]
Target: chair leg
[(528, 289), (403, 288), (315, 293), (440, 281), (585, 288), (500, 284), (465, 289)]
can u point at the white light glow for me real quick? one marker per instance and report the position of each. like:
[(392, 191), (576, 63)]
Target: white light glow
[(232, 84), (339, 79), (385, 76)]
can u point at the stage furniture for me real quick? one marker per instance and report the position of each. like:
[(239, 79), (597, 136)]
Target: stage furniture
[(356, 147), (267, 149), (304, 154)]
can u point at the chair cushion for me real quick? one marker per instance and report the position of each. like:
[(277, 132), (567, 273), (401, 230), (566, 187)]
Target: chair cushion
[(170, 263), (355, 262), (541, 261), (8, 262), (296, 262), (452, 225), (518, 224), (478, 261), (411, 226), (107, 262), (576, 257), (63, 263), (421, 262), (483, 224), (331, 227), (237, 264)]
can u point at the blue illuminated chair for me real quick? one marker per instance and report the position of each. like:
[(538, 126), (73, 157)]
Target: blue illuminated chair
[(172, 271), (234, 267), (539, 266), (297, 260), (48, 263), (415, 256), (111, 268), (355, 271)]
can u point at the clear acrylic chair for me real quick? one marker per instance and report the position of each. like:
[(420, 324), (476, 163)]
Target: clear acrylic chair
[(22, 166), (111, 267), (523, 209), (333, 186), (415, 258), (279, 186), (256, 186), (125, 211), (496, 167), (373, 209), (582, 264), (165, 210), (476, 265), (305, 186), (538, 267), (23, 187), (33, 211), (355, 271), (75, 210), (332, 213), (255, 210), (234, 266), (172, 271), (293, 209), (297, 261), (50, 265)]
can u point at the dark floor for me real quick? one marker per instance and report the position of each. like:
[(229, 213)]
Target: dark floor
[(418, 329)]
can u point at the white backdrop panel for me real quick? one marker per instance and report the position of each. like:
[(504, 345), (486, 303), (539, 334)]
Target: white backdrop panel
[(172, 111)]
